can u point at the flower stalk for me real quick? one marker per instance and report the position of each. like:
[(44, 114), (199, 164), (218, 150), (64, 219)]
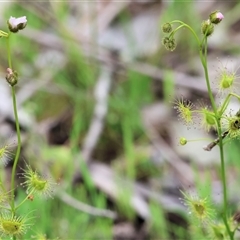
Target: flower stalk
[(212, 118)]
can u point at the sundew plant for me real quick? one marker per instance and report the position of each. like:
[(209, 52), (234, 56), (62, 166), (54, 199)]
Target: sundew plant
[(227, 126), (12, 224)]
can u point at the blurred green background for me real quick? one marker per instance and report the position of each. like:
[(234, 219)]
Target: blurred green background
[(96, 95)]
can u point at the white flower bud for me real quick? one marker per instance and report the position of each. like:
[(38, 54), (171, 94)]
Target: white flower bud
[(15, 24)]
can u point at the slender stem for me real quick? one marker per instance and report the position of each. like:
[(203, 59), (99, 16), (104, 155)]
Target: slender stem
[(26, 198), (187, 26), (223, 174), (17, 128), (9, 51), (18, 147), (226, 101), (203, 56), (18, 133)]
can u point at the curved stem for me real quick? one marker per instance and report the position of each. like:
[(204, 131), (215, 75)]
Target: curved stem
[(187, 26), (18, 146), (226, 101), (203, 57)]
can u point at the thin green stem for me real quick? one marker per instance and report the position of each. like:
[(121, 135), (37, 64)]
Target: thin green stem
[(26, 198), (18, 147), (203, 56), (187, 26), (226, 101), (17, 128), (223, 174), (199, 139), (9, 51), (18, 133)]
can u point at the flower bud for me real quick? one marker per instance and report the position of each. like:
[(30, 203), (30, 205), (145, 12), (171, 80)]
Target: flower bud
[(169, 43), (15, 24), (216, 17), (166, 27), (11, 77), (172, 44), (165, 40), (207, 28)]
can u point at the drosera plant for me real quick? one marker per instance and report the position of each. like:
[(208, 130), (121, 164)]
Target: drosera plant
[(227, 125), (12, 224)]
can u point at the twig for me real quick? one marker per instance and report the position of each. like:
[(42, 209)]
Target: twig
[(86, 208), (211, 145), (102, 90), (108, 13), (108, 181)]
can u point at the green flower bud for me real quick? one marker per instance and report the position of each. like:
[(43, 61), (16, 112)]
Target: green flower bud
[(166, 27), (165, 40), (207, 28), (11, 77), (170, 44), (216, 17)]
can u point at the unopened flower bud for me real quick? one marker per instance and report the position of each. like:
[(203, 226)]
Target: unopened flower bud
[(165, 40), (166, 27), (15, 24), (169, 43), (216, 17), (207, 28), (11, 77)]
